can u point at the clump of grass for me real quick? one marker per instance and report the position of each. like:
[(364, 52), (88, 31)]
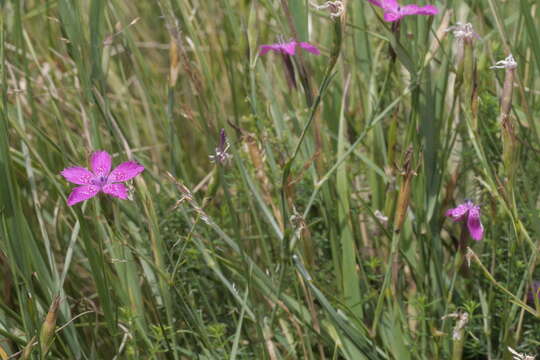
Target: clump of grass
[(323, 236)]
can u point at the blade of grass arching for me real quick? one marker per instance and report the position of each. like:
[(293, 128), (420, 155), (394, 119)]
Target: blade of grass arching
[(358, 337), (259, 199), (532, 29), (157, 246), (30, 175), (94, 250), (351, 280), (15, 233), (351, 149), (215, 268), (393, 336), (362, 49), (128, 278), (267, 287), (96, 26), (50, 277), (19, 243), (238, 333)]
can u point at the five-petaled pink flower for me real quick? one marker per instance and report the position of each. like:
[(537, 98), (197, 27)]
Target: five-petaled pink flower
[(289, 48), (471, 213), (394, 12), (101, 178)]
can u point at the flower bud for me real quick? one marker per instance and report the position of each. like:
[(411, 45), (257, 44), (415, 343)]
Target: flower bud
[(404, 191), (508, 129)]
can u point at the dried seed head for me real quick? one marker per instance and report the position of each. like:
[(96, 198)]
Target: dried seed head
[(404, 190), (508, 63), (462, 320), (520, 356), (379, 215), (463, 31), (337, 8), (46, 335)]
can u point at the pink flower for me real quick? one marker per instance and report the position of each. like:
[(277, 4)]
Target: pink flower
[(471, 213), (101, 178), (394, 12), (289, 48)]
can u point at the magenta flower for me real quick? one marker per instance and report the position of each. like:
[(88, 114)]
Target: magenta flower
[(101, 178), (289, 48), (394, 12), (470, 212)]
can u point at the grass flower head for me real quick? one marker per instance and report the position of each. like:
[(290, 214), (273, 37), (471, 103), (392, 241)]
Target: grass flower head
[(100, 178)]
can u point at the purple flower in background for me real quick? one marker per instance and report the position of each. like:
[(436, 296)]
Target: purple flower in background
[(394, 12), (101, 178), (534, 292), (470, 213), (221, 154), (289, 48)]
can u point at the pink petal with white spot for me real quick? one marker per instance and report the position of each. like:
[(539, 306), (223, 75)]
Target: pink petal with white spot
[(266, 48), (310, 48), (125, 171), (459, 212), (77, 175), (82, 193), (418, 10), (116, 190), (473, 223), (391, 16), (100, 163), (289, 48)]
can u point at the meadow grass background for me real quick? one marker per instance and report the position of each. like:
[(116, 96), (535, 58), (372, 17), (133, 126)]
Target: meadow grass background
[(284, 252)]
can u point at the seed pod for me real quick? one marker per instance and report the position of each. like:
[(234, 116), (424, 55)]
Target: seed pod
[(404, 191), (508, 130), (46, 335)]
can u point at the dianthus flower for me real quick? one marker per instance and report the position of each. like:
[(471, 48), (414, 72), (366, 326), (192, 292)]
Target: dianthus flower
[(101, 178), (469, 212)]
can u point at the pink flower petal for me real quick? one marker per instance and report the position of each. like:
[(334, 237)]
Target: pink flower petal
[(375, 2), (473, 223), (459, 212), (418, 10), (82, 193), (266, 48), (100, 162), (78, 175), (386, 5), (289, 48), (392, 16), (394, 12), (285, 48), (116, 190), (125, 171), (310, 48)]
